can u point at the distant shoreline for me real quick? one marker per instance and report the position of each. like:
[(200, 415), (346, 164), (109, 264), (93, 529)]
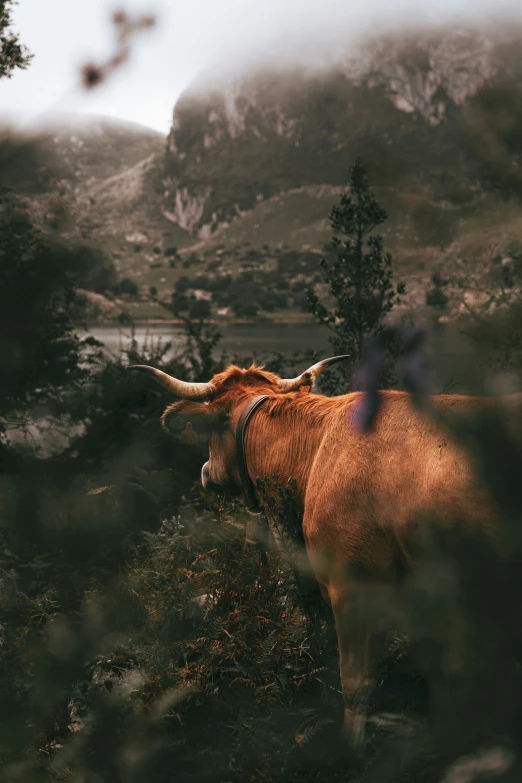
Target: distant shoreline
[(177, 322), (422, 315)]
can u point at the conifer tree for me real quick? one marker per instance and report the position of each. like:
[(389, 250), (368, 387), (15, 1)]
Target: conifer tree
[(12, 53), (359, 279)]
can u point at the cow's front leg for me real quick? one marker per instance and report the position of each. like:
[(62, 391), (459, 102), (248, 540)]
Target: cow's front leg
[(359, 653)]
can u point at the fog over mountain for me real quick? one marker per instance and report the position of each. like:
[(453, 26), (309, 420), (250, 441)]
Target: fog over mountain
[(257, 156), (402, 101), (201, 37), (317, 35)]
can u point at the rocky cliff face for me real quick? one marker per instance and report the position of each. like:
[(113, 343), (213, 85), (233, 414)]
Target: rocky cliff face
[(427, 75), (400, 104)]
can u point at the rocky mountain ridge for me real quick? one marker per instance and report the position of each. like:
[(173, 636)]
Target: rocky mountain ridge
[(401, 103), (427, 75), (253, 166)]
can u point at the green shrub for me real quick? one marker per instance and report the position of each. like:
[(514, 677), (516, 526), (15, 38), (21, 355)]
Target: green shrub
[(199, 308), (127, 286)]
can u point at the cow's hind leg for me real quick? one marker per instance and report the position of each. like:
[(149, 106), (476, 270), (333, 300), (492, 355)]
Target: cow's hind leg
[(360, 650)]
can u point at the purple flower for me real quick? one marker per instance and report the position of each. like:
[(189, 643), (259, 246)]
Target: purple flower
[(367, 378)]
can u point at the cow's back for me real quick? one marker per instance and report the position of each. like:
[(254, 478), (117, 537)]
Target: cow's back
[(367, 490)]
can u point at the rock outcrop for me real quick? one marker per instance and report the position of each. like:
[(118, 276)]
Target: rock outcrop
[(400, 103)]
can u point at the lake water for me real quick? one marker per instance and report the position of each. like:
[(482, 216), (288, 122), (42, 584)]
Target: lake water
[(454, 359), (255, 340), (455, 364)]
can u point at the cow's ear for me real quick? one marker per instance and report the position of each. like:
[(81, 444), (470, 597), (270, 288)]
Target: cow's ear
[(185, 417)]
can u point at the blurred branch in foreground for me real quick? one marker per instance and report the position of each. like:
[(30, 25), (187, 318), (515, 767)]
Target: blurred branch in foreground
[(414, 370), (93, 73)]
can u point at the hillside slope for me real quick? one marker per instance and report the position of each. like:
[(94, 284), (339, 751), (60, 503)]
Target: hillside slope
[(253, 164), (103, 175)]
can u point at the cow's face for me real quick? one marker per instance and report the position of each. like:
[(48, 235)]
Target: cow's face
[(213, 410), (216, 422), (220, 472), (212, 423)]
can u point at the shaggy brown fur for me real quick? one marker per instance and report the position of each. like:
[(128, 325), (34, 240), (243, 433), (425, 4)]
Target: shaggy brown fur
[(360, 493)]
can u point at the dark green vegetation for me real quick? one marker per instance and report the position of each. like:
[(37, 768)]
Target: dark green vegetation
[(255, 290), (144, 639), (36, 285)]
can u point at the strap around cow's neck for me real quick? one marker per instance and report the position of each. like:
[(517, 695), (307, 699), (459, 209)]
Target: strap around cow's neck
[(249, 492)]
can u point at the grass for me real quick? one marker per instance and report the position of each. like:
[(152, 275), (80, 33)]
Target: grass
[(298, 220)]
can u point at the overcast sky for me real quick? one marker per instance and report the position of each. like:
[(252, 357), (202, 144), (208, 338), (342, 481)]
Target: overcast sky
[(63, 34)]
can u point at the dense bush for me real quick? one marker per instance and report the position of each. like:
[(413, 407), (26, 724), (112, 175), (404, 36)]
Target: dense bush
[(127, 286), (97, 272), (199, 308), (251, 290), (436, 296)]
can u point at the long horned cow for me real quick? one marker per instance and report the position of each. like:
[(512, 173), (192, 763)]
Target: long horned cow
[(357, 492)]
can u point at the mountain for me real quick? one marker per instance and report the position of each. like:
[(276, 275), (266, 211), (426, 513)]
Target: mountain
[(103, 175), (254, 161), (257, 160), (410, 107)]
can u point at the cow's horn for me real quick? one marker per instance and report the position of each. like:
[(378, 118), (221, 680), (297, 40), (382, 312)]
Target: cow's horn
[(313, 372), (186, 391)]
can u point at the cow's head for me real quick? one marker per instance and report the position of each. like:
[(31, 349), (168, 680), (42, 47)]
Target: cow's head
[(214, 409)]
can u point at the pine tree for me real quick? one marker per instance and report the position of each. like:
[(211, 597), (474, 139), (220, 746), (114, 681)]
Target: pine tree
[(359, 278), (12, 53)]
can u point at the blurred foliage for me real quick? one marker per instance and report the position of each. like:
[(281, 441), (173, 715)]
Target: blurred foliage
[(40, 350), (186, 653), (97, 272), (497, 326)]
